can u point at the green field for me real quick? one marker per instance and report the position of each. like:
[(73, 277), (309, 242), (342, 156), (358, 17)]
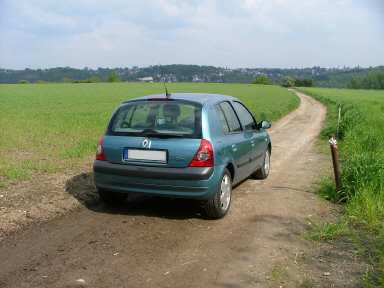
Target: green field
[(361, 132), (51, 128), (54, 128)]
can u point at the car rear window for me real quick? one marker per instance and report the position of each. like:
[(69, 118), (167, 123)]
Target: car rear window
[(157, 119)]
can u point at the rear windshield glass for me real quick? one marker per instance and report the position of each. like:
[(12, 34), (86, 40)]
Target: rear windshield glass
[(157, 119)]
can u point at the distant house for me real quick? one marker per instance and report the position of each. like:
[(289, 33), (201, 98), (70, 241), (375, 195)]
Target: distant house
[(146, 79), (196, 78)]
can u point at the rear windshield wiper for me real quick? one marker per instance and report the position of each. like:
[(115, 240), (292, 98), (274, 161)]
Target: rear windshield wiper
[(147, 132), (153, 133), (161, 135)]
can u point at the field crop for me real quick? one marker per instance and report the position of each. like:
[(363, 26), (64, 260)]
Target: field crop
[(362, 157), (53, 128)]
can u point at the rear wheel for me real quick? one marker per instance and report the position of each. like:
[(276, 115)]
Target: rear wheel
[(263, 172), (111, 198), (218, 206)]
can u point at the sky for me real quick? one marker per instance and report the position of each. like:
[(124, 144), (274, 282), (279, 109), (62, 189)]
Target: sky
[(223, 33)]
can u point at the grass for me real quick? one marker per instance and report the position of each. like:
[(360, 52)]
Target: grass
[(277, 275), (326, 231), (361, 150), (54, 128), (307, 283)]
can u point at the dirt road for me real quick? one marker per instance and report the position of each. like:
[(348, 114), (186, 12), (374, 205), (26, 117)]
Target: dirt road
[(152, 242)]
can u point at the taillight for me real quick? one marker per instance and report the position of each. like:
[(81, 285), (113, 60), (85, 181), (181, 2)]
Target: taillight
[(99, 150), (203, 156)]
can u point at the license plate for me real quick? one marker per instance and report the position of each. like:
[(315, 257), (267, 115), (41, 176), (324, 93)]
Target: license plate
[(145, 155)]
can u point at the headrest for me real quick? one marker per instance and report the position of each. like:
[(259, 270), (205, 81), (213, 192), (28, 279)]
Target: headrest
[(171, 110)]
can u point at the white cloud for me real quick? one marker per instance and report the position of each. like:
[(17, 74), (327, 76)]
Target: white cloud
[(247, 33)]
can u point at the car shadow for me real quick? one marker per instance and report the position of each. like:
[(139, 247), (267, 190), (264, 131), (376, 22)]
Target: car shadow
[(83, 189)]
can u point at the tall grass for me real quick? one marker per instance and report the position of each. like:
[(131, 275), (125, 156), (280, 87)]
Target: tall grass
[(55, 127), (362, 155)]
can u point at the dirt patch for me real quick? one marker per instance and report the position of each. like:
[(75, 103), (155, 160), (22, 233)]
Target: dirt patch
[(44, 198), (151, 242)]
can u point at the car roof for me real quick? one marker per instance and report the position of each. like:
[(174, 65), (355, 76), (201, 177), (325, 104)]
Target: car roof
[(202, 98)]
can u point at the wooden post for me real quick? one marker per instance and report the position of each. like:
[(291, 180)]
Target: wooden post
[(335, 160)]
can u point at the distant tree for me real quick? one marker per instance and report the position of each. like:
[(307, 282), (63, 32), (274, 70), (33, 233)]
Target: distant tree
[(264, 80), (95, 80), (354, 83), (113, 77), (310, 82), (305, 82), (66, 80), (380, 80), (288, 81), (373, 81), (24, 82)]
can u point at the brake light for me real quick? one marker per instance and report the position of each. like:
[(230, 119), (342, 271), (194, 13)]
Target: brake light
[(159, 99), (99, 150), (203, 156)]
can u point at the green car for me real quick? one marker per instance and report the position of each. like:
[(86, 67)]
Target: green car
[(184, 145)]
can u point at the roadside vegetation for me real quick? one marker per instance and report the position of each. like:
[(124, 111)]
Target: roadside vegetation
[(287, 81), (360, 136), (54, 128), (290, 81)]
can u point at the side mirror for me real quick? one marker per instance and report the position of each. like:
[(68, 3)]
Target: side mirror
[(265, 124)]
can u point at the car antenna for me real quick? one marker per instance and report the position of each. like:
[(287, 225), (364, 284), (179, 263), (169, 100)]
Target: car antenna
[(165, 86)]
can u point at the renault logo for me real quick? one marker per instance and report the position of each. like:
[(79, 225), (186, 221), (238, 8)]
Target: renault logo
[(146, 143)]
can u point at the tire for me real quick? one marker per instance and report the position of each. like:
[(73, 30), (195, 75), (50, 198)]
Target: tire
[(263, 172), (112, 198), (218, 206)]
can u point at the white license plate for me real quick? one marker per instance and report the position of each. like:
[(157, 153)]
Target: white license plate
[(144, 155)]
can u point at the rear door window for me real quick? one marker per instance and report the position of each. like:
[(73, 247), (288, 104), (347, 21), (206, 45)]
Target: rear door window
[(245, 116), (227, 118)]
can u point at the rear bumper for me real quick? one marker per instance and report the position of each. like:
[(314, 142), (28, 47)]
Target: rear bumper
[(189, 182), (187, 173)]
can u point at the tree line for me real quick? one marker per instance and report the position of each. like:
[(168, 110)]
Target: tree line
[(112, 78), (372, 81), (316, 76), (287, 81), (342, 79)]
